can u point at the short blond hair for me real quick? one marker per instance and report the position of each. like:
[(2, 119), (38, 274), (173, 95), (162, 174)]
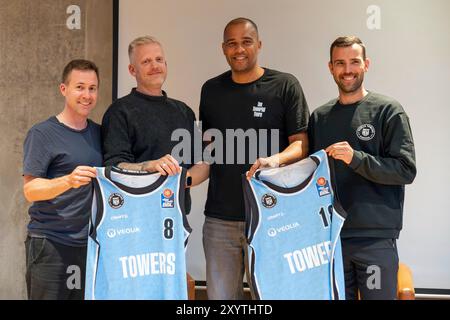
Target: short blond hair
[(140, 41)]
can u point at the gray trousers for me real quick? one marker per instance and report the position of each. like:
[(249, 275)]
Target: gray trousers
[(223, 243)]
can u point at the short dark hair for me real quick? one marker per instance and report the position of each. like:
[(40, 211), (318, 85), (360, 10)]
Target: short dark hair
[(240, 20), (81, 65), (347, 41)]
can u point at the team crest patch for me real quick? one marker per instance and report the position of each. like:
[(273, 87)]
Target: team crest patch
[(269, 200), (167, 199), (365, 132), (323, 187), (115, 200)]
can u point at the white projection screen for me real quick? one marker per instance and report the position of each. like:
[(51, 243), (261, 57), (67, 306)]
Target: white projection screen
[(408, 43)]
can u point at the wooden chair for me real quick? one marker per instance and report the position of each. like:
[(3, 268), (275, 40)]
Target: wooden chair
[(191, 287), (405, 285)]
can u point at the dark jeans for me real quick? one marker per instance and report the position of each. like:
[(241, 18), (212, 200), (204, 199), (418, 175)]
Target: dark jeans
[(54, 271), (370, 267)]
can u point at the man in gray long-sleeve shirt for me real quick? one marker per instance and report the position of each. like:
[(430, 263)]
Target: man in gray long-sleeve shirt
[(371, 137)]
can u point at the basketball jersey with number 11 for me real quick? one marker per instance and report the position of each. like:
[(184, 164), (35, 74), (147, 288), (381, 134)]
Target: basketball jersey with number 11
[(293, 223)]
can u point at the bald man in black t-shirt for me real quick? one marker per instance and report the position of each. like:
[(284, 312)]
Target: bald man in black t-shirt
[(263, 103)]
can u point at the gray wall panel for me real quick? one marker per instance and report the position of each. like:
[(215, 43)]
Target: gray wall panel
[(35, 45)]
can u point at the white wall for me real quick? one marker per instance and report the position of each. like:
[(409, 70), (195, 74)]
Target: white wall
[(410, 62)]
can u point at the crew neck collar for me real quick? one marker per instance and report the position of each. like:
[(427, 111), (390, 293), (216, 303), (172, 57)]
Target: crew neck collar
[(132, 190), (230, 78), (355, 103), (294, 189), (56, 120), (149, 97)]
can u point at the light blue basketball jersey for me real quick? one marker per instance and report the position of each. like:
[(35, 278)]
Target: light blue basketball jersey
[(137, 236), (293, 223)]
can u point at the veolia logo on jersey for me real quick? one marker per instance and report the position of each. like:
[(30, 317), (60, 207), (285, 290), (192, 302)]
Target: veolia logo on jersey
[(269, 200), (272, 232), (115, 200), (365, 132), (112, 233)]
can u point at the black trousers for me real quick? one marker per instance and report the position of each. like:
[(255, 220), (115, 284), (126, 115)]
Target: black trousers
[(370, 268), (54, 271)]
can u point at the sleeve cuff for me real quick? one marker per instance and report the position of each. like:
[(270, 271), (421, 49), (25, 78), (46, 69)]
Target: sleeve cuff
[(356, 160), (296, 131), (36, 174)]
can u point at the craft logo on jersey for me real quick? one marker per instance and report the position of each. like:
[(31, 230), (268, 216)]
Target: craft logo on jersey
[(258, 110), (365, 132), (323, 187), (167, 199), (269, 200), (115, 200)]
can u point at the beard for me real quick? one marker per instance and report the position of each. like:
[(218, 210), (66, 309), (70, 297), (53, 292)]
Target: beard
[(350, 88)]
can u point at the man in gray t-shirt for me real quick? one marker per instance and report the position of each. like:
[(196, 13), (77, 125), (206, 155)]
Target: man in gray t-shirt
[(59, 156)]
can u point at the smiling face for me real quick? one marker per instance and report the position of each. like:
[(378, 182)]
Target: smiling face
[(148, 65), (348, 66), (241, 47), (80, 91)]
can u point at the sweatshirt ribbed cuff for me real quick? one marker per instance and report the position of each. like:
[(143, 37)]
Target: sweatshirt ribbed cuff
[(357, 158)]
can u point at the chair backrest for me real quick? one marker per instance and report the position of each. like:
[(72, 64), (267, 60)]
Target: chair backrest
[(190, 286), (405, 285)]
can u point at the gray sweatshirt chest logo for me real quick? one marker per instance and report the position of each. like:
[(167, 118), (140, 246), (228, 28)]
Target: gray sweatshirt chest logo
[(365, 132)]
